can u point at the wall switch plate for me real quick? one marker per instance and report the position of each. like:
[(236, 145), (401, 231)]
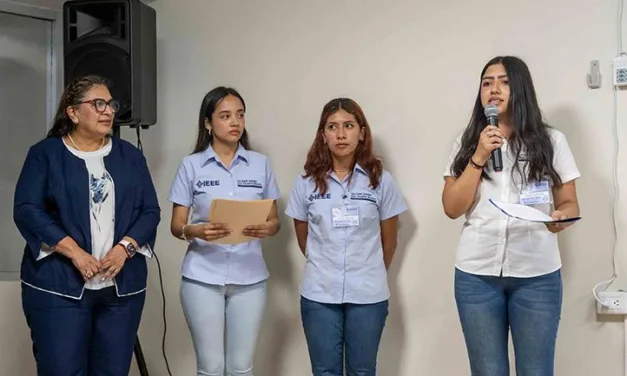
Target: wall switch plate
[(594, 77), (614, 303)]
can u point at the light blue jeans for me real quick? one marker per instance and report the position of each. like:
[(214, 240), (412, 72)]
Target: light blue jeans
[(490, 307), (207, 308)]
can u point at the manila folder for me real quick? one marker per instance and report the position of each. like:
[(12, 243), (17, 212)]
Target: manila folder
[(238, 214)]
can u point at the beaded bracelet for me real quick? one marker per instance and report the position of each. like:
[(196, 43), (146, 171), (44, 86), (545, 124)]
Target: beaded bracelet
[(476, 165)]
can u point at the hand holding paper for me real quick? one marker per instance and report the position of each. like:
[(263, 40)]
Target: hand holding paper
[(527, 213), (561, 223), (257, 231), (211, 231), (240, 215)]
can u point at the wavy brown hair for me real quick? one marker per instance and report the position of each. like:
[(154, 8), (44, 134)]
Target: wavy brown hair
[(319, 162), (72, 95)]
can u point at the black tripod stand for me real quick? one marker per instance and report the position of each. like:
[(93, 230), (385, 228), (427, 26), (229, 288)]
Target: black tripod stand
[(139, 355)]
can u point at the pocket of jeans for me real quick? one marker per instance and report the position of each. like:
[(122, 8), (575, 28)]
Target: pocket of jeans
[(471, 288)]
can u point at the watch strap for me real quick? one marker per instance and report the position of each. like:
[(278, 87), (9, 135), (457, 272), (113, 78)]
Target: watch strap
[(128, 247)]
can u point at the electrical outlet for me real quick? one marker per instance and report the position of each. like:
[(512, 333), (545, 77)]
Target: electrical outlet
[(620, 70), (614, 303)]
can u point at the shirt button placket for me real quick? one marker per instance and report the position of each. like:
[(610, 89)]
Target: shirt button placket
[(233, 184), (505, 190), (227, 267), (345, 202)]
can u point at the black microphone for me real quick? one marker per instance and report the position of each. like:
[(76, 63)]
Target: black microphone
[(492, 114)]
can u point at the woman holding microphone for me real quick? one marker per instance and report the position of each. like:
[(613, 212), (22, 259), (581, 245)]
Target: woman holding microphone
[(507, 272)]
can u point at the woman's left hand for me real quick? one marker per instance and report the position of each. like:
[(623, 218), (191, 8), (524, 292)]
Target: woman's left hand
[(557, 227), (258, 231), (113, 262)]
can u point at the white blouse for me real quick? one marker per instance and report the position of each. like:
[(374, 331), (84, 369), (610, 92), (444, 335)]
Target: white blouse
[(494, 244)]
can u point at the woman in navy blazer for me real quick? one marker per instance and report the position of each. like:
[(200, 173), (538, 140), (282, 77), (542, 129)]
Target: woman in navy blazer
[(86, 205)]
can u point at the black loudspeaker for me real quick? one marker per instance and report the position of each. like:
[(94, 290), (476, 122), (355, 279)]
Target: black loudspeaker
[(116, 39)]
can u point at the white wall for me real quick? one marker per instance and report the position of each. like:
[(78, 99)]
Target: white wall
[(414, 68)]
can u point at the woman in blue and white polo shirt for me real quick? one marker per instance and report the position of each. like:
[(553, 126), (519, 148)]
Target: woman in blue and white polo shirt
[(223, 291)]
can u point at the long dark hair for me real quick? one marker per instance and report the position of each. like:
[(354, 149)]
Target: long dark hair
[(73, 93), (528, 128), (208, 106), (319, 161)]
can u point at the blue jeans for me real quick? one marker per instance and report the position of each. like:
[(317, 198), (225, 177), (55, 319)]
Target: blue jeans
[(333, 330), (92, 336), (209, 310), (491, 306)]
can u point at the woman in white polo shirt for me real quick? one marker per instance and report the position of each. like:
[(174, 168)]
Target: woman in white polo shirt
[(507, 274), (223, 291)]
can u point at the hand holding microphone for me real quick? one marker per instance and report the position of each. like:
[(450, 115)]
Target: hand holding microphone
[(490, 141)]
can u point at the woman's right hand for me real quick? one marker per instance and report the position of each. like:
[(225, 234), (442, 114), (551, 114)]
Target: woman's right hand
[(489, 139), (86, 264), (210, 231)]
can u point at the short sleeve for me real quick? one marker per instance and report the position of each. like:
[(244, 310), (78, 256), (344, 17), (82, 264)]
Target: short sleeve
[(453, 153), (181, 191), (391, 200), (563, 159), (296, 206), (271, 190)]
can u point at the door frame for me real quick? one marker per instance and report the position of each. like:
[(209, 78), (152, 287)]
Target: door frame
[(55, 69), (55, 51)]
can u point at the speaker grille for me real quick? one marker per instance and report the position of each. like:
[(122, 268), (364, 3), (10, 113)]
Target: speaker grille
[(110, 62)]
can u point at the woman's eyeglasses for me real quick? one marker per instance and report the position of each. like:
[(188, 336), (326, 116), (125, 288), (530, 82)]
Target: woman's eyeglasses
[(101, 105)]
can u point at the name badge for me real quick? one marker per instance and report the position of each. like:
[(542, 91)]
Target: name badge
[(345, 216), (536, 193)]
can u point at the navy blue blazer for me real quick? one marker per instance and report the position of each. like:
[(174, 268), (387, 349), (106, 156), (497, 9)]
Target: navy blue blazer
[(52, 202)]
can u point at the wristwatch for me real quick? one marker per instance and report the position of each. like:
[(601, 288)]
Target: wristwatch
[(128, 247)]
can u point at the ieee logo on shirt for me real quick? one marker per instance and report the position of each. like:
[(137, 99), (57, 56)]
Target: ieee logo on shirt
[(250, 183), (318, 196), (207, 183)]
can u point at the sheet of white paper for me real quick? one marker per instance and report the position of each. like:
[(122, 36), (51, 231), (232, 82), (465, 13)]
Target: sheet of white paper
[(527, 213)]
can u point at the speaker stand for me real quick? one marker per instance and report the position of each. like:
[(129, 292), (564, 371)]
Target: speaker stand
[(139, 355)]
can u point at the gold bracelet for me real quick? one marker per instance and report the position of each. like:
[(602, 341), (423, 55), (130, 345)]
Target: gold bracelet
[(183, 237)]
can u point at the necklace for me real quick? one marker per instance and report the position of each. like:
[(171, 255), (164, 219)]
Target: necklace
[(79, 149), (341, 171)]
